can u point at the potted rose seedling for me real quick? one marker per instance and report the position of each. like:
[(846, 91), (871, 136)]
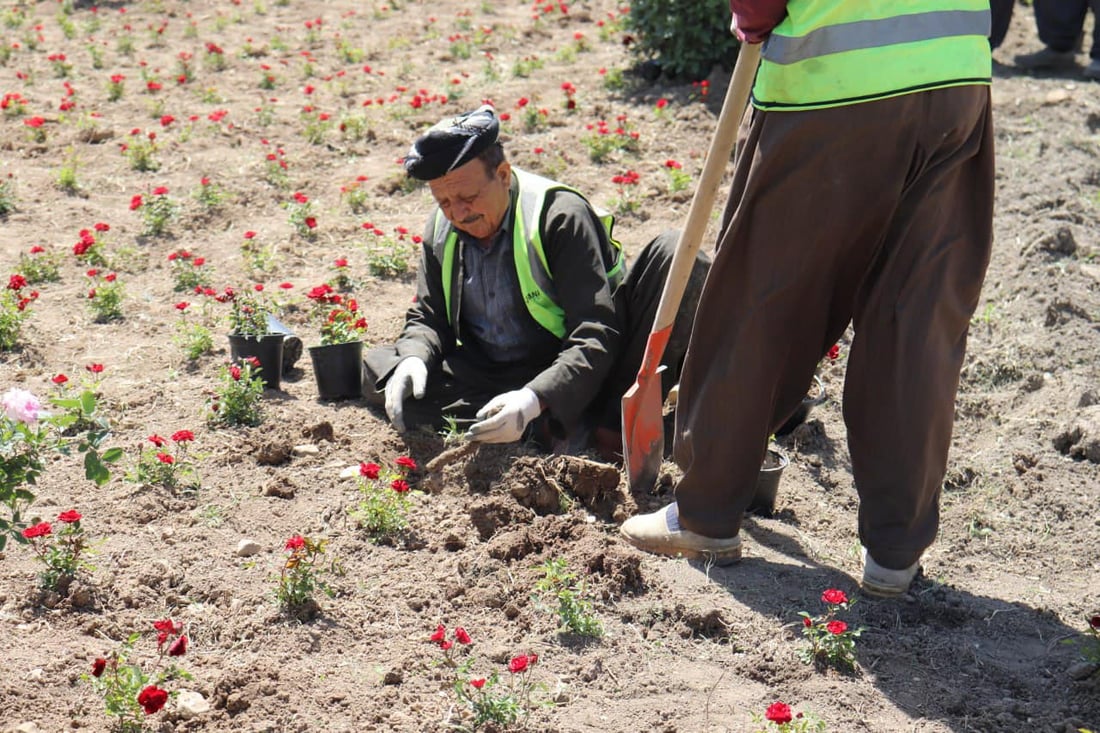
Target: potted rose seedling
[(250, 333), (338, 361)]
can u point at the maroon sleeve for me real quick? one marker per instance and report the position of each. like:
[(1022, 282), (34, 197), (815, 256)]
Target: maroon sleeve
[(755, 19)]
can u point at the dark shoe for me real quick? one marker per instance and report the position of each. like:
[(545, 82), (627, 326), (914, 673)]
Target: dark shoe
[(1092, 71), (292, 345), (607, 444), (1046, 59), (292, 351), (661, 533)]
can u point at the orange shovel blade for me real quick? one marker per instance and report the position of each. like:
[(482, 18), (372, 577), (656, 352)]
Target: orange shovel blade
[(643, 419)]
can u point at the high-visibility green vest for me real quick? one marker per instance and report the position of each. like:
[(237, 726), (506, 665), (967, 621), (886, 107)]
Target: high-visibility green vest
[(829, 54), (535, 279)]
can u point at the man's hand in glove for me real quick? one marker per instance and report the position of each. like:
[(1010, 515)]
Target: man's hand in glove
[(410, 377), (505, 417)]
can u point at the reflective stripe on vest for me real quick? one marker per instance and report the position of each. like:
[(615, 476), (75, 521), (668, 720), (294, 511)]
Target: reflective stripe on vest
[(828, 54), (535, 280)]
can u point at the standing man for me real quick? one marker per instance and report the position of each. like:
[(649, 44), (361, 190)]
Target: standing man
[(863, 194), (526, 319)]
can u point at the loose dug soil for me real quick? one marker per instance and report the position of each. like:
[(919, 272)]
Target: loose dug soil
[(984, 642)]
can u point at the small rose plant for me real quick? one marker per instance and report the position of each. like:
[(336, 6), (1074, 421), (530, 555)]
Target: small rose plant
[(492, 699), (780, 718), (238, 396), (60, 552), (831, 641), (161, 464), (131, 694), (298, 579), (384, 507)]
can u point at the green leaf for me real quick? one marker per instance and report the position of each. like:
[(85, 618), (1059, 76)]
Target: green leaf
[(87, 403), (94, 470), (67, 403), (111, 455)]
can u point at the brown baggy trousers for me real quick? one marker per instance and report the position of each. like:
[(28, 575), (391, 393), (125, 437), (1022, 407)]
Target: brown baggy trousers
[(879, 214)]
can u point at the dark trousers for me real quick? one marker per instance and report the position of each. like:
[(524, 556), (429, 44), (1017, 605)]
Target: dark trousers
[(1061, 23), (1001, 11), (462, 385), (879, 214)]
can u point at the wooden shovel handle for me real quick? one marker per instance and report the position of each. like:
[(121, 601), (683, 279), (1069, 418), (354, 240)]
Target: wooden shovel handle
[(702, 202)]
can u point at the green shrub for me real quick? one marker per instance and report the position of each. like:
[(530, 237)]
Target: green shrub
[(685, 39)]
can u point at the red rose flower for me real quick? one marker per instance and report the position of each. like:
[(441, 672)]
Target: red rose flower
[(836, 627), (296, 542), (834, 597), (249, 235), (834, 352), (182, 436), (461, 636), (156, 440), (406, 462), (446, 645), (101, 227), (478, 683), (400, 486), (94, 368), (518, 664), (37, 530), (807, 622), (165, 458), (178, 647), (311, 222), (135, 202), (152, 699), (59, 379), (168, 626), (370, 470), (778, 713), (17, 282), (98, 666), (69, 517), (235, 372), (440, 634), (160, 190)]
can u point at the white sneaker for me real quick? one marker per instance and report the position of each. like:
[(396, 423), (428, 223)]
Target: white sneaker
[(884, 582), (660, 533)]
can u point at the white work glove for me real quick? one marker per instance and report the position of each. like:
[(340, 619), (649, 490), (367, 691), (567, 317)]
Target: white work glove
[(410, 377), (505, 417)]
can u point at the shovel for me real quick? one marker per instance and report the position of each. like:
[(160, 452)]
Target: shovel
[(643, 421)]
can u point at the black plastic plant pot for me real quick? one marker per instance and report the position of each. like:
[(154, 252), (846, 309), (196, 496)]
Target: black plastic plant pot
[(767, 483), (338, 369), (267, 349)]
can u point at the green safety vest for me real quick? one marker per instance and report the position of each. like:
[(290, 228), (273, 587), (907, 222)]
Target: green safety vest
[(535, 279), (829, 54)]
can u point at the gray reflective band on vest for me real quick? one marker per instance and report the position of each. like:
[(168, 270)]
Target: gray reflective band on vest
[(863, 34)]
